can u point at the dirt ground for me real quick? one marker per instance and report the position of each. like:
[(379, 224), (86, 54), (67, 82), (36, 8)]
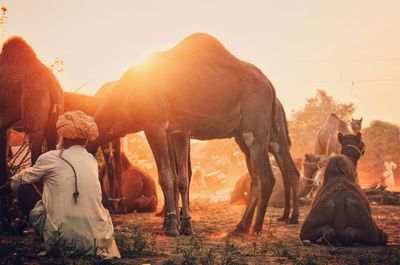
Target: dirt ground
[(140, 239)]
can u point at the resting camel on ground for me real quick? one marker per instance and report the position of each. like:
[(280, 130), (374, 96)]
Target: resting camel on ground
[(31, 97), (327, 142), (196, 89), (138, 187), (314, 167), (340, 212), (279, 146)]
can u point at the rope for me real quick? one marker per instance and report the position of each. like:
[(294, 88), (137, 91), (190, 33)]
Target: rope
[(76, 193), (116, 199), (361, 152)]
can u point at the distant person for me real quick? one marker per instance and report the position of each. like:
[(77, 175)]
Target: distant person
[(70, 212), (388, 174)]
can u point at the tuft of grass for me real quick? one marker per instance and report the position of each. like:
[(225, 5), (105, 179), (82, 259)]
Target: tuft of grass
[(133, 241), (196, 253), (169, 262)]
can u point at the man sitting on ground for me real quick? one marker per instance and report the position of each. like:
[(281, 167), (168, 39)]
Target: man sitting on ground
[(70, 213)]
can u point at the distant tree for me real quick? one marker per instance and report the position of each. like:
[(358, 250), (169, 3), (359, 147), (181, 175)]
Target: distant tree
[(57, 66), (306, 122), (382, 141), (3, 19)]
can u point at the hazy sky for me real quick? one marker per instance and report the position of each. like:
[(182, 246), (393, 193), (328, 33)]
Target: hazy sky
[(350, 48)]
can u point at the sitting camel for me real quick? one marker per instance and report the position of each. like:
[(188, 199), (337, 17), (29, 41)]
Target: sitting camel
[(340, 212), (314, 167), (239, 194), (138, 187)]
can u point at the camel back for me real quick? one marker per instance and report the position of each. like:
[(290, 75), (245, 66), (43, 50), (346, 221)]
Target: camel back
[(177, 82)]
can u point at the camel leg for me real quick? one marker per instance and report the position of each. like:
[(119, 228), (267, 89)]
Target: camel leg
[(294, 219), (287, 187), (36, 139), (290, 177), (5, 217), (3, 156), (157, 138), (116, 146), (262, 167), (106, 150), (181, 142), (245, 222)]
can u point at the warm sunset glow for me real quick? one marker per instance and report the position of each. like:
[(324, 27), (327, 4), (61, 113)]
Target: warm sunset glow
[(348, 48)]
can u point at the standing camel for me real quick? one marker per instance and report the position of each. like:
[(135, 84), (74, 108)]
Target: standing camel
[(356, 125), (196, 89), (31, 96), (327, 141)]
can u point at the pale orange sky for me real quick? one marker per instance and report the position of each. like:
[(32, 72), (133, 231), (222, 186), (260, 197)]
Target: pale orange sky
[(300, 45)]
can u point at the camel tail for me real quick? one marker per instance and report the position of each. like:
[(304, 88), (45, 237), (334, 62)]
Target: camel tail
[(57, 108), (273, 113)]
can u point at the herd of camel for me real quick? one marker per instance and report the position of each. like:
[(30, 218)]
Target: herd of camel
[(195, 90)]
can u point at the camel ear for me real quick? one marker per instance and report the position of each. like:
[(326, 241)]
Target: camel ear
[(361, 119), (340, 136), (352, 119)]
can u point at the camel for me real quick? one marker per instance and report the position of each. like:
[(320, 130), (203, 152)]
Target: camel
[(327, 142), (356, 125), (340, 213), (138, 187), (30, 96), (314, 167), (286, 181), (196, 89)]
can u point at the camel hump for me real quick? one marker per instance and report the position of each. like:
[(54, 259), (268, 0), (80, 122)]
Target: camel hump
[(17, 47), (333, 116), (198, 44)]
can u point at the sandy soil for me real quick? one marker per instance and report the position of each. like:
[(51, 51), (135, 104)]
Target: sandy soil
[(141, 241)]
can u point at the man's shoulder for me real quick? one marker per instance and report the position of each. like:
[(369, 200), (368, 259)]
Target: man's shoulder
[(50, 154)]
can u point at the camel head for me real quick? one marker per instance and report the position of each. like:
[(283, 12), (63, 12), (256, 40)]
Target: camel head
[(110, 117), (351, 146), (356, 125), (311, 164)]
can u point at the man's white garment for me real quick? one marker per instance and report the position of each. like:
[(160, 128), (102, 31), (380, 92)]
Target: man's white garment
[(388, 175), (84, 227)]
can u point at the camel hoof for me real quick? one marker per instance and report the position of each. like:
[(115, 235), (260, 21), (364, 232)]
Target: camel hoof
[(186, 227), (171, 231), (293, 220), (239, 230), (283, 219), (170, 225)]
